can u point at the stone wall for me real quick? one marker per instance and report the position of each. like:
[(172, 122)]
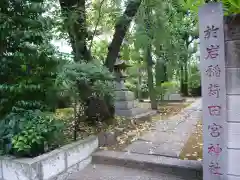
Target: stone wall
[(55, 165), (232, 48)]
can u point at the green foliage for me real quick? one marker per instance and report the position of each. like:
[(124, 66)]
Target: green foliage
[(28, 70), (27, 59), (103, 13), (131, 86), (143, 90), (230, 6), (144, 87), (166, 88), (30, 133), (30, 65), (86, 83), (99, 50), (170, 87), (82, 80), (194, 77)]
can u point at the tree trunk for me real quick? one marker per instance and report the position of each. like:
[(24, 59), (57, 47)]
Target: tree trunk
[(152, 93), (161, 72), (165, 72), (139, 92), (121, 29), (181, 79), (149, 60), (185, 78), (184, 68), (76, 26)]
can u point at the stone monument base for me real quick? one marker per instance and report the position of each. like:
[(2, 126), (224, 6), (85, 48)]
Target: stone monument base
[(173, 97), (126, 106)]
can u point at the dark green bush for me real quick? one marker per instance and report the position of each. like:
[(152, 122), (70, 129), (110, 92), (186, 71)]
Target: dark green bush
[(194, 83), (166, 87), (27, 78), (91, 88), (30, 133)]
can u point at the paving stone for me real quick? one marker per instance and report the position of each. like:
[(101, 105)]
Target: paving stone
[(170, 135), (185, 127), (157, 137), (165, 125), (165, 149), (196, 115)]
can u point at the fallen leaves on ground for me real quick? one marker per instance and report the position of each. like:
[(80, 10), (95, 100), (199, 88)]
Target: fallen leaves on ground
[(133, 132), (194, 147), (169, 109), (129, 131), (129, 135)]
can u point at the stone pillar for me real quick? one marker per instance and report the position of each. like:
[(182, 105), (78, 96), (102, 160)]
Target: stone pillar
[(220, 72), (232, 46), (213, 79)]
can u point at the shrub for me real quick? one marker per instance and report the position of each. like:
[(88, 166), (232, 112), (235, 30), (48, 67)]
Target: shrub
[(144, 90), (166, 87), (30, 133), (131, 86), (194, 83), (91, 88), (28, 70)]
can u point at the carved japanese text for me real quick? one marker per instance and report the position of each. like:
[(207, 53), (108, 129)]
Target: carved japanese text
[(211, 31), (215, 130)]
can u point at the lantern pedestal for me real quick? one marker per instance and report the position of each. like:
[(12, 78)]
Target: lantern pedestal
[(125, 104)]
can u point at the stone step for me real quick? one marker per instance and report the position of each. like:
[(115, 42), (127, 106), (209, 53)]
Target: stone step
[(187, 169), (108, 172)]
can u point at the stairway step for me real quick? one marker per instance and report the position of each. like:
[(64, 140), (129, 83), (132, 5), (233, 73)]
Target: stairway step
[(108, 172), (161, 164)]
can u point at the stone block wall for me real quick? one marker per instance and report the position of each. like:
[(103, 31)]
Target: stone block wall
[(55, 165), (232, 51)]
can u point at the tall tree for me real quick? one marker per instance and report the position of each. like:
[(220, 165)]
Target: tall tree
[(188, 35), (121, 29), (28, 64), (74, 14), (149, 23), (148, 51)]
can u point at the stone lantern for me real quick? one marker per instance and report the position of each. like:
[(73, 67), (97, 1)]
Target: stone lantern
[(120, 67), (125, 104)]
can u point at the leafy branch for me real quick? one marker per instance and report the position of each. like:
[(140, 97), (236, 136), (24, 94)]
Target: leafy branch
[(98, 21)]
